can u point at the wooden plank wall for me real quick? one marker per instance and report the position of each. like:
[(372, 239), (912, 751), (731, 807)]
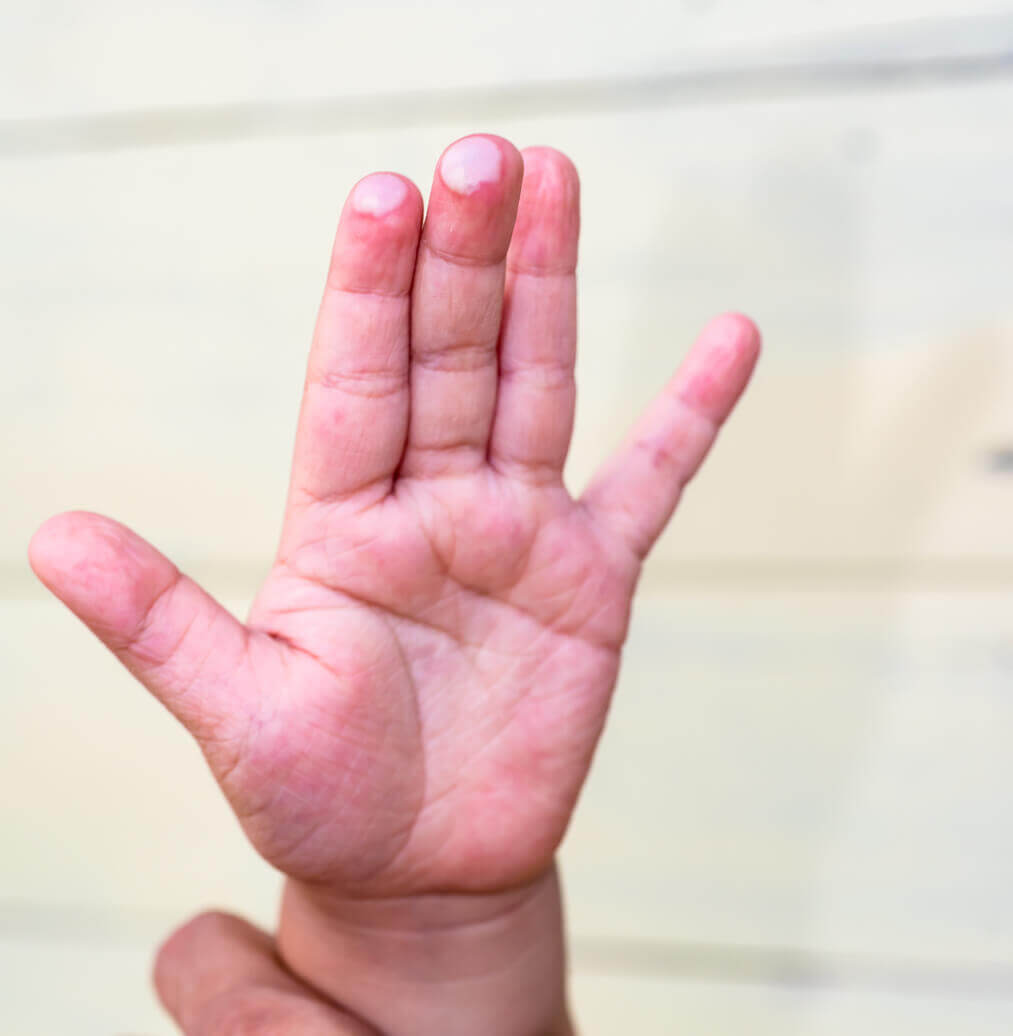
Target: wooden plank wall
[(801, 818)]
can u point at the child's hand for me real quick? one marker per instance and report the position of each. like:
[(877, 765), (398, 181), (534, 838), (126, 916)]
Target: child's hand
[(413, 704)]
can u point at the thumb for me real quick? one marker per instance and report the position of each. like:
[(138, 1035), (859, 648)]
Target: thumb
[(176, 639)]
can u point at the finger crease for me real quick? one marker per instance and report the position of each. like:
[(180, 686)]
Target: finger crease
[(540, 375), (375, 293), (541, 272), (461, 357), (461, 259), (364, 384)]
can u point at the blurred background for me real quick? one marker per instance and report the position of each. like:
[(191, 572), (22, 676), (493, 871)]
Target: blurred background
[(801, 818)]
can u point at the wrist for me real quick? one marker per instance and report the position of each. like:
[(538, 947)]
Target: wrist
[(440, 963)]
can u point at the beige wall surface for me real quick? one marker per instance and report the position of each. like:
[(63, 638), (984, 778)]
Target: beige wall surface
[(800, 820)]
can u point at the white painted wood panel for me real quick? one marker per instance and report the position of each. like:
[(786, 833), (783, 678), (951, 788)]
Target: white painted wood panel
[(86, 986), (58, 59), (157, 306), (606, 1005), (107, 804), (820, 769)]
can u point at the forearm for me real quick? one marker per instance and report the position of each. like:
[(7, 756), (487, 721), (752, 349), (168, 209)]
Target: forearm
[(440, 964)]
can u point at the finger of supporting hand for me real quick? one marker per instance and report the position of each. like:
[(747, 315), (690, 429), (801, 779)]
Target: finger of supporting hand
[(219, 974), (354, 413), (535, 401), (457, 303), (636, 491)]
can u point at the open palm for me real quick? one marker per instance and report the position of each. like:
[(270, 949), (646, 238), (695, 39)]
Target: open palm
[(415, 698)]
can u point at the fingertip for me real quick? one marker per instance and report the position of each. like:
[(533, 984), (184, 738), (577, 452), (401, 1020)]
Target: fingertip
[(736, 332), (479, 160), (473, 202), (378, 194), (541, 161), (720, 365), (165, 966), (470, 163), (40, 546), (383, 194), (204, 956), (193, 938), (734, 327), (548, 215), (62, 540), (731, 340), (377, 236), (102, 571)]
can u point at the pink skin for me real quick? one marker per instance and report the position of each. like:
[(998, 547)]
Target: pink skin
[(413, 703), (219, 974)]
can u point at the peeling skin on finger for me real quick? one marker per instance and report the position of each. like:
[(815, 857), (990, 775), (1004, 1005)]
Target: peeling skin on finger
[(379, 194), (470, 163)]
